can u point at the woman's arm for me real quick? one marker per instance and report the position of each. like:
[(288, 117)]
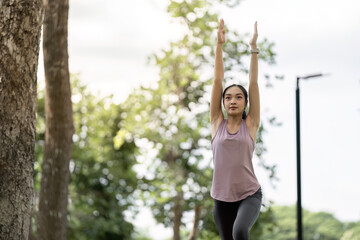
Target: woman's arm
[(216, 115), (254, 95)]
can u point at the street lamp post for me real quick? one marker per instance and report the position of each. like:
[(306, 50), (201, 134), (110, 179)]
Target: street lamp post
[(298, 157)]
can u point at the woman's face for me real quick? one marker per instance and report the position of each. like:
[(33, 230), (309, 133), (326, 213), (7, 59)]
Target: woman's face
[(234, 101)]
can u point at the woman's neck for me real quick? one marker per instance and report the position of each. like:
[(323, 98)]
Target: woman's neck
[(234, 120)]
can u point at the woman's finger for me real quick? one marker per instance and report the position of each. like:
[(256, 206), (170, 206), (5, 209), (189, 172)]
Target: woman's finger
[(221, 23)]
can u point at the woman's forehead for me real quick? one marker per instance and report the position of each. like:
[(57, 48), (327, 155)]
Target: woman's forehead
[(234, 90)]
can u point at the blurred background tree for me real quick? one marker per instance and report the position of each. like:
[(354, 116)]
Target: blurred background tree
[(53, 199), (169, 120), (102, 184), (164, 126)]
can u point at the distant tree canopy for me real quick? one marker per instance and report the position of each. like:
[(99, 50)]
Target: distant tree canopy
[(316, 225)]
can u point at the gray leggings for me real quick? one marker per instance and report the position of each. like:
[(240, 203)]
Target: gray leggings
[(235, 219)]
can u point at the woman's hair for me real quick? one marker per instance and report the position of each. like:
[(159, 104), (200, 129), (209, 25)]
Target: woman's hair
[(244, 92)]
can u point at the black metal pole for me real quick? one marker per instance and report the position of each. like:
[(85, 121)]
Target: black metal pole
[(298, 165)]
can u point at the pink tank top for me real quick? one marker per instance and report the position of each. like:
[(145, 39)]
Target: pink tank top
[(234, 178)]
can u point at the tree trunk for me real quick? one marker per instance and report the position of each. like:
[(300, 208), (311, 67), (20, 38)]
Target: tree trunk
[(195, 230), (178, 204), (52, 218), (20, 28)]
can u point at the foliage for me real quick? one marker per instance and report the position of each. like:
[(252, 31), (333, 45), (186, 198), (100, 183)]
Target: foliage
[(316, 225), (352, 231), (102, 181), (169, 119)]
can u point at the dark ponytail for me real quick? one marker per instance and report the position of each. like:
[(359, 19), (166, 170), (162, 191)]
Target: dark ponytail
[(244, 114)]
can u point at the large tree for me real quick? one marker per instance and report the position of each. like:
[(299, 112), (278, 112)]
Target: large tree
[(52, 218), (20, 27)]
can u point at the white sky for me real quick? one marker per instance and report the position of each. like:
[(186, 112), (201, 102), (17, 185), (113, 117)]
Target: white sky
[(110, 40)]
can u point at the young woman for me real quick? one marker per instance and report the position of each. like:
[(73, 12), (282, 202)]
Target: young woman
[(235, 189)]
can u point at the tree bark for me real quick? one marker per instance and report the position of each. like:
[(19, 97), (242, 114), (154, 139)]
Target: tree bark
[(52, 217), (20, 28), (178, 205), (195, 230)]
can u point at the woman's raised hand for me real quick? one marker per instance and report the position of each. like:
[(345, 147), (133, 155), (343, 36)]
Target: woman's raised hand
[(254, 38), (221, 32)]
